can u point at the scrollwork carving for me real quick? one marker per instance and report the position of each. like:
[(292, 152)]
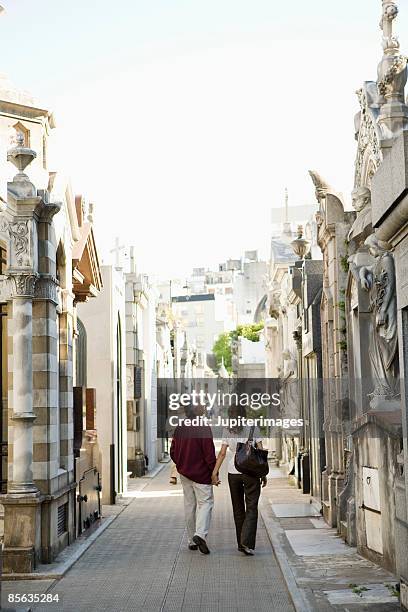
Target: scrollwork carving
[(388, 85), (19, 234), (4, 225), (368, 149)]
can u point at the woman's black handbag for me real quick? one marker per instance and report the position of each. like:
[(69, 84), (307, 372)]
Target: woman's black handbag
[(250, 460)]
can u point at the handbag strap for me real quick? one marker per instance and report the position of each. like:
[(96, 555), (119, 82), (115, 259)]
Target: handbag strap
[(251, 434)]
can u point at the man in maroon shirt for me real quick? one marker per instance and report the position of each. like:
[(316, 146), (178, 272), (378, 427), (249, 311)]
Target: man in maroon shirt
[(192, 450)]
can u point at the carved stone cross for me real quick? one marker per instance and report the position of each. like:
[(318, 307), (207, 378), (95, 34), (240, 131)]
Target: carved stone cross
[(117, 250)]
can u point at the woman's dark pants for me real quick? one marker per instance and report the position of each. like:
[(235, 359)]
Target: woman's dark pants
[(245, 491)]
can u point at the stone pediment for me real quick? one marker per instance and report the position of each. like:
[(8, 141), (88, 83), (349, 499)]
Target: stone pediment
[(87, 278)]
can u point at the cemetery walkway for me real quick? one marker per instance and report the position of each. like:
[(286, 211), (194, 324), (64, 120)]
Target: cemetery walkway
[(141, 562)]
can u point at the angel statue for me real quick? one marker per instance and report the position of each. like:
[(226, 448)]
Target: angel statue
[(379, 281)]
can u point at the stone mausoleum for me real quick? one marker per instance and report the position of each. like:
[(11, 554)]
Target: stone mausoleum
[(358, 462), (48, 264)]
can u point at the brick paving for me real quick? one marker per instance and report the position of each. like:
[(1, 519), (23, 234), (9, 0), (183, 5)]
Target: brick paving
[(141, 562)]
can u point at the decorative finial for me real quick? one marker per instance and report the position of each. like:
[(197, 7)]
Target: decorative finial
[(392, 77), (21, 156), (300, 245), (20, 139), (390, 40)]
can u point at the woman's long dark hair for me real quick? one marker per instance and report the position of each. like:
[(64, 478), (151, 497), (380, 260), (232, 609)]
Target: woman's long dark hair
[(235, 411)]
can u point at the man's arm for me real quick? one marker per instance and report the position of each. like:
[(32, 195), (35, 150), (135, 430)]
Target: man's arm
[(174, 445), (173, 450), (221, 456), (209, 452)]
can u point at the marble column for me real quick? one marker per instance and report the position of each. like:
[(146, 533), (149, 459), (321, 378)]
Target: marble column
[(22, 287)]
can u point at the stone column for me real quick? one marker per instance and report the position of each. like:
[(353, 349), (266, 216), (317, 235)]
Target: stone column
[(22, 286), (22, 530), (22, 501)]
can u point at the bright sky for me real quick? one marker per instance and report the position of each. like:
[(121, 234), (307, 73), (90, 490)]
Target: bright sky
[(184, 120)]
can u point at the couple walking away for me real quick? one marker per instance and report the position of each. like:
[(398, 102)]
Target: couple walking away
[(193, 452)]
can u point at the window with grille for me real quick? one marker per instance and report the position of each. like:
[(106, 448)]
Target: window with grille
[(62, 519)]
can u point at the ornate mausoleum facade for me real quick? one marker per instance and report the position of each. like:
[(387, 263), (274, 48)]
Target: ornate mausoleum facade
[(364, 330), (48, 264), (371, 510)]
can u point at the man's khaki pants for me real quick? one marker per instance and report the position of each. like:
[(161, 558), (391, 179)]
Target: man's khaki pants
[(198, 505)]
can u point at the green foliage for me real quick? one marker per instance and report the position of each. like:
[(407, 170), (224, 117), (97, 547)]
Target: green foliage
[(344, 263), (344, 258), (358, 590), (222, 348), (393, 589), (250, 332)]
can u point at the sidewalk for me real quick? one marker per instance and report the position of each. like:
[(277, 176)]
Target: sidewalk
[(141, 562), (318, 566)]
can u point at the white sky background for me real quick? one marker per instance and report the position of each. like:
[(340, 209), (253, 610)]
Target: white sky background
[(184, 120)]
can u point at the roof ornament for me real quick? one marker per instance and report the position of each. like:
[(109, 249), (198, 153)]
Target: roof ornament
[(287, 230), (300, 245), (321, 186), (21, 157), (392, 76), (389, 13)]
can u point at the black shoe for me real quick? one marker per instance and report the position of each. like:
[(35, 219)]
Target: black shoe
[(202, 545), (247, 551), (192, 547)]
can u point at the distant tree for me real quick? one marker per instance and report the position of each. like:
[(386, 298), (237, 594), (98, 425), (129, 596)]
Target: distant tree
[(250, 331), (222, 349), (223, 345)]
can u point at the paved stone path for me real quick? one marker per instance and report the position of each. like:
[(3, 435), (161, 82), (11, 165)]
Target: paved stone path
[(141, 562), (322, 566)]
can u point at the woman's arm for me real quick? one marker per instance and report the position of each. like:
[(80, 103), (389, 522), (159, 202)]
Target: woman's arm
[(221, 456), (264, 480)]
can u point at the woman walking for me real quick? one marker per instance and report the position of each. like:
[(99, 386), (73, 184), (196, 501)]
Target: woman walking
[(245, 490)]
